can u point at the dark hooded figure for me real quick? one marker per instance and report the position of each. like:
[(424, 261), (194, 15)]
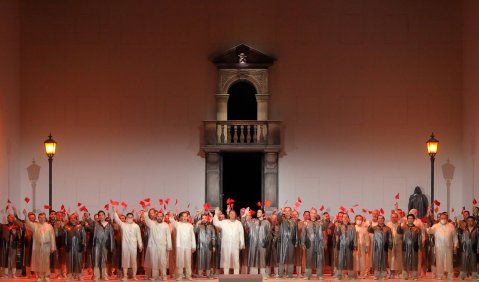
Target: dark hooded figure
[(419, 202)]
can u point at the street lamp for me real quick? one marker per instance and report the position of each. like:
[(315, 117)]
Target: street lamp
[(50, 148), (432, 145)]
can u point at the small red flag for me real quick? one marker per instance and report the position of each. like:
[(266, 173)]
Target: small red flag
[(62, 207), (351, 210), (114, 203), (437, 203), (83, 209), (188, 206), (176, 202), (267, 203), (321, 208), (79, 204), (343, 209), (106, 206), (206, 207), (252, 212), (452, 210), (299, 199), (436, 209), (258, 204), (27, 200), (365, 211), (147, 200), (474, 202), (356, 205), (397, 196), (124, 204), (47, 207), (7, 207), (167, 201), (161, 202), (9, 202), (382, 211), (164, 206)]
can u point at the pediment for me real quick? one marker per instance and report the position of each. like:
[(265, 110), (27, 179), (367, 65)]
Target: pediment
[(243, 56)]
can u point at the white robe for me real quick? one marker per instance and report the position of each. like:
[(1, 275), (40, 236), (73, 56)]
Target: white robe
[(232, 240), (43, 245), (185, 243), (130, 241), (159, 242), (445, 242)]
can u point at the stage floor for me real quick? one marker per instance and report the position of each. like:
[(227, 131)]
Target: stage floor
[(427, 278)]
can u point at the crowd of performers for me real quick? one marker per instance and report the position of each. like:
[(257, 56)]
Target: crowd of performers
[(280, 244)]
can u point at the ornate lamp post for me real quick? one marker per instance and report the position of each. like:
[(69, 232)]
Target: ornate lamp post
[(50, 148), (432, 145)]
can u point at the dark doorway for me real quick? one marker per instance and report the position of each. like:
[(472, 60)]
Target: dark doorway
[(242, 179), (242, 101)]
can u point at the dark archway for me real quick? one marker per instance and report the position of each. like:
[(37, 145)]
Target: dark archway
[(242, 103)]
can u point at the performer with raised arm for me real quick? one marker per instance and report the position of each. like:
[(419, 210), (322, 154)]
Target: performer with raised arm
[(159, 244), (382, 242), (10, 237), (346, 243), (360, 254), (232, 240), (131, 242), (185, 245), (411, 245), (205, 245), (103, 244), (259, 236), (75, 243), (314, 241), (43, 245)]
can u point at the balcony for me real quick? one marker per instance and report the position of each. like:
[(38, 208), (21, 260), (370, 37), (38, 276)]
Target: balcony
[(242, 135)]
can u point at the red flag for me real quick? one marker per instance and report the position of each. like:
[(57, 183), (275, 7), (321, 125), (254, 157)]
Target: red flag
[(161, 210), (258, 204), (356, 205), (176, 202), (267, 203), (62, 207), (47, 207), (229, 201), (188, 206), (351, 210), (382, 211), (252, 212), (299, 199), (365, 211), (436, 209), (206, 207), (27, 200), (147, 200), (397, 196), (167, 201), (321, 208), (424, 219), (9, 202), (164, 206), (83, 209), (114, 203), (79, 204), (437, 203), (452, 210), (106, 206), (403, 214), (161, 202), (343, 209), (474, 202), (124, 204), (142, 203)]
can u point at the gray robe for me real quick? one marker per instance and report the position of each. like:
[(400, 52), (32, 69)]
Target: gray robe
[(11, 235), (411, 246), (345, 243), (259, 237), (314, 239), (288, 239), (75, 242), (382, 242), (103, 243), (469, 247), (205, 242)]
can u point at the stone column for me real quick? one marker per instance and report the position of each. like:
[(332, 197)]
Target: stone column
[(213, 178), (270, 178), (222, 106), (262, 101)]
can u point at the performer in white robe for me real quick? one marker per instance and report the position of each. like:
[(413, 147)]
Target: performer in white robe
[(185, 245), (159, 243), (43, 245), (360, 254), (130, 243), (232, 240), (446, 244)]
